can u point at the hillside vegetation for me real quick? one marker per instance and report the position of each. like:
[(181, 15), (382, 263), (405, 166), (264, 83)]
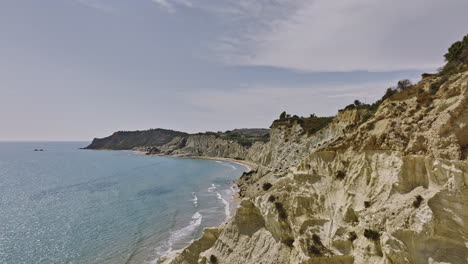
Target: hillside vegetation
[(126, 140)]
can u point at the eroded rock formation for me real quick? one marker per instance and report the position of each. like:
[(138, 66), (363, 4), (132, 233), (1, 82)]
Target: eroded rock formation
[(388, 188)]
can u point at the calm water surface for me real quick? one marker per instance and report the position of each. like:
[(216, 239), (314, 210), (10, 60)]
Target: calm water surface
[(66, 205)]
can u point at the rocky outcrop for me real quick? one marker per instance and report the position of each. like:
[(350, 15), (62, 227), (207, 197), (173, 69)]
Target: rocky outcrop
[(232, 144), (203, 145), (371, 187), (126, 140)]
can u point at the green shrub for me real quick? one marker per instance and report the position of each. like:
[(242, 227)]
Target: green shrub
[(371, 234), (314, 250), (283, 115), (272, 198), (426, 75), (340, 175), (352, 236), (213, 259), (367, 204), (289, 242), (435, 86), (456, 57), (390, 91), (281, 211), (417, 202), (316, 239), (370, 126), (404, 84), (366, 117), (266, 186), (458, 51)]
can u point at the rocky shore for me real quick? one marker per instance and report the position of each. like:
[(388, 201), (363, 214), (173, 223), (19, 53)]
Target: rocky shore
[(382, 183)]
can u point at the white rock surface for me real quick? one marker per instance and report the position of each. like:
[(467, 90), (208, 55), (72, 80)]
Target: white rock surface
[(414, 146)]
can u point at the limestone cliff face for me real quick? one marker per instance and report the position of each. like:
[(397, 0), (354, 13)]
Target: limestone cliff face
[(388, 188), (203, 145), (233, 144)]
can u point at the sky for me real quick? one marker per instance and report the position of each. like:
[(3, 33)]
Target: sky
[(79, 69)]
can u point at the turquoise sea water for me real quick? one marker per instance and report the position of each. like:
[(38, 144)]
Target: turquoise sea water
[(66, 205)]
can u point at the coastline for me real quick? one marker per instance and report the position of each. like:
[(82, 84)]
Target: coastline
[(231, 206), (248, 164), (231, 203)]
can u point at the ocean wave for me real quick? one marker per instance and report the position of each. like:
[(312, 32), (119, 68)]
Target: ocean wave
[(227, 207), (212, 188), (179, 235), (194, 199), (167, 250), (227, 164)]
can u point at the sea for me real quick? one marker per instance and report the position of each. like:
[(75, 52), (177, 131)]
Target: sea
[(68, 205)]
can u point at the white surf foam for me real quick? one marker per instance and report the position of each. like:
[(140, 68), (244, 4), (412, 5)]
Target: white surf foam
[(227, 164), (179, 235), (194, 199), (212, 188), (227, 206)]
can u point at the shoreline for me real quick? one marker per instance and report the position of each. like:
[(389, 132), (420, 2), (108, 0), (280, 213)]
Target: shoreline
[(233, 203), (248, 164)]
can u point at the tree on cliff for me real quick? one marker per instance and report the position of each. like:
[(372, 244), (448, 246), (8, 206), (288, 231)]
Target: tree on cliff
[(458, 51), (284, 115), (404, 84), (456, 57)]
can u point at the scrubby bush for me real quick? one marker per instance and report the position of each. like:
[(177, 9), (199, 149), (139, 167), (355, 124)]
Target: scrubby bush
[(352, 236), (289, 242), (266, 186), (213, 259), (417, 202), (390, 91), (367, 204), (283, 116), (404, 84), (314, 250), (316, 239), (281, 211), (366, 117), (370, 126), (426, 75), (435, 86), (371, 234), (272, 198), (456, 57), (340, 175), (458, 51)]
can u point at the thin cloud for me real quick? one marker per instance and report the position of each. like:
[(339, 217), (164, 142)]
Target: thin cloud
[(325, 35), (99, 6), (170, 5)]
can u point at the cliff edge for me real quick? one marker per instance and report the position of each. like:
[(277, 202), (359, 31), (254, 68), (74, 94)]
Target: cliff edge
[(382, 183)]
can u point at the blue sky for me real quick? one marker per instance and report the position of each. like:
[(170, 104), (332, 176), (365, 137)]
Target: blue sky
[(78, 69)]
